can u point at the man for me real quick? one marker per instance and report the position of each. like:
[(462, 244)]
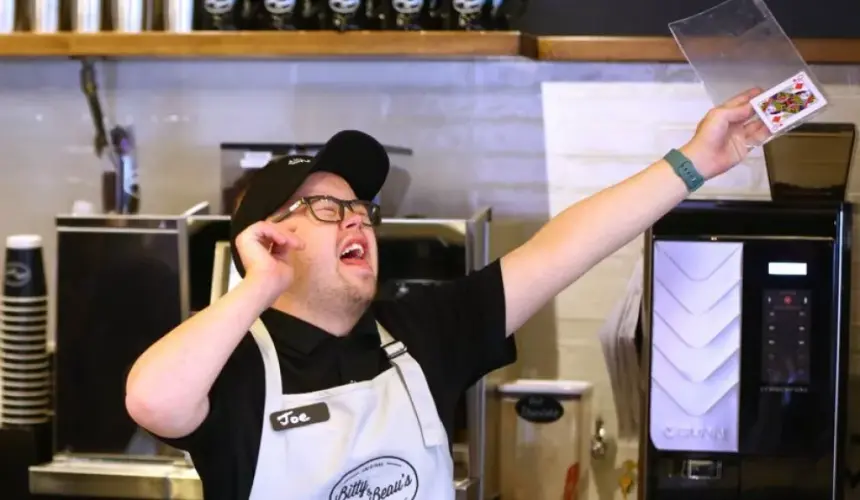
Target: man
[(320, 401)]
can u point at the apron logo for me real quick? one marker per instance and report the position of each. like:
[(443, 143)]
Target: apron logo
[(378, 479), (299, 417)]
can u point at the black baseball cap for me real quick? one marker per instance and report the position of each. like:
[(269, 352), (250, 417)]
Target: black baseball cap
[(357, 157)]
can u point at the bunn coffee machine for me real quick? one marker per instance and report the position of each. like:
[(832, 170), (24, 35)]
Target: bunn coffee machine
[(746, 319)]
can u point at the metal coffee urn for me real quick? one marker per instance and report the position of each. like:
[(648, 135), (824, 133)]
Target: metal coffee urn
[(123, 281), (746, 327)]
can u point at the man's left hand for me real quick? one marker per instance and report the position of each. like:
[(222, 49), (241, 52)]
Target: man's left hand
[(725, 136)]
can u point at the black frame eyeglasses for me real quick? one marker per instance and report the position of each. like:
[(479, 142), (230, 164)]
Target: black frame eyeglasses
[(331, 209)]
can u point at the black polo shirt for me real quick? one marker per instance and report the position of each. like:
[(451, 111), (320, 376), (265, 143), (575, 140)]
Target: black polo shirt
[(455, 331)]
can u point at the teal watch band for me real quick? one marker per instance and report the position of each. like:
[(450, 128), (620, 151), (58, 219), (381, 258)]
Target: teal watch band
[(685, 169)]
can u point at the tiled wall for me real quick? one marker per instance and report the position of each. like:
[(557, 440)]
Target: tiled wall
[(482, 132)]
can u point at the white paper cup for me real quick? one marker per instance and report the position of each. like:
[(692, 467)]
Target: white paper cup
[(23, 347), (25, 384), (39, 392), (31, 404), (22, 421), (23, 318), (23, 412), (26, 403), (7, 301), (18, 310), (16, 336), (11, 366), (25, 380), (13, 329), (23, 358)]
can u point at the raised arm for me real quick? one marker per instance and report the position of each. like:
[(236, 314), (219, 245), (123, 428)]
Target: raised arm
[(582, 235), (167, 391)]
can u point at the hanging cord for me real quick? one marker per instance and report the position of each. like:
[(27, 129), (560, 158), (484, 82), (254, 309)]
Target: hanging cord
[(89, 87)]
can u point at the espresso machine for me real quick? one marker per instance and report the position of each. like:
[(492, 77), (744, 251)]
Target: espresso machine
[(746, 317), (413, 252), (123, 281)]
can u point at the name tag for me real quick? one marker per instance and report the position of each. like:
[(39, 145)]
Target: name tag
[(299, 417)]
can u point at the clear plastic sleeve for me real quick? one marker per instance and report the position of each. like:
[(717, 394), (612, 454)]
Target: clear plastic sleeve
[(739, 45)]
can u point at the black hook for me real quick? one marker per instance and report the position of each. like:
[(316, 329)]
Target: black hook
[(89, 87)]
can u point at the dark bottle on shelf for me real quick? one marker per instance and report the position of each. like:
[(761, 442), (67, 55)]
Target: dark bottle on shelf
[(470, 15), (221, 15), (276, 15), (349, 15), (314, 14), (507, 12), (411, 15)]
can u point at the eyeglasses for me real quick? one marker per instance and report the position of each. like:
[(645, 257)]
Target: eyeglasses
[(331, 209)]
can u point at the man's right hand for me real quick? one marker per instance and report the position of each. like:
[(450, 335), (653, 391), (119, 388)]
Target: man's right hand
[(196, 351), (264, 248)]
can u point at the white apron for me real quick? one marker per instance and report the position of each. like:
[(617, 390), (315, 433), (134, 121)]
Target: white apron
[(379, 439)]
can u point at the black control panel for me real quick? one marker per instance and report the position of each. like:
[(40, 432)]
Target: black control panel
[(786, 339), (789, 351)]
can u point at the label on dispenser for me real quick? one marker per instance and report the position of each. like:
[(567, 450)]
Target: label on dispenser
[(785, 339), (539, 409)]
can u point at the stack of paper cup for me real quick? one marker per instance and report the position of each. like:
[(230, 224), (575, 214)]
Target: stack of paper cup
[(25, 374)]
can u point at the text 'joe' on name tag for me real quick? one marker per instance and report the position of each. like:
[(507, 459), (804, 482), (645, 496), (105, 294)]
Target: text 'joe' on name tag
[(299, 417)]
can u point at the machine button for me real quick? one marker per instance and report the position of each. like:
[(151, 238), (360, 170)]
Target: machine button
[(702, 469)]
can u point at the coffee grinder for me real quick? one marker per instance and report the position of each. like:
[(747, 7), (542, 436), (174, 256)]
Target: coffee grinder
[(746, 318)]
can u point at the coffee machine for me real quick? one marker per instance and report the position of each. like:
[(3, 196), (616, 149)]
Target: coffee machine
[(746, 317), (122, 282)]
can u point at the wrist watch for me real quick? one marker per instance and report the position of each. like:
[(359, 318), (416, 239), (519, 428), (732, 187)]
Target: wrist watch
[(685, 169)]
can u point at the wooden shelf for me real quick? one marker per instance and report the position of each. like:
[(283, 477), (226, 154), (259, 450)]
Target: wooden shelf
[(383, 44), (263, 44), (664, 49)]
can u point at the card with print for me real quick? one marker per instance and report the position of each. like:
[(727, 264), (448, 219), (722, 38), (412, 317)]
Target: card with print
[(792, 101)]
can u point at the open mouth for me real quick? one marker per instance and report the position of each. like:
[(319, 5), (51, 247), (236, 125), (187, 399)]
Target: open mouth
[(353, 253)]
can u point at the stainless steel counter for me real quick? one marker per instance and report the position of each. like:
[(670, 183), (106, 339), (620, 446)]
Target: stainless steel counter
[(80, 477)]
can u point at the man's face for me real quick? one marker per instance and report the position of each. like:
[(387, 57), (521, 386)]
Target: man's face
[(339, 262)]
